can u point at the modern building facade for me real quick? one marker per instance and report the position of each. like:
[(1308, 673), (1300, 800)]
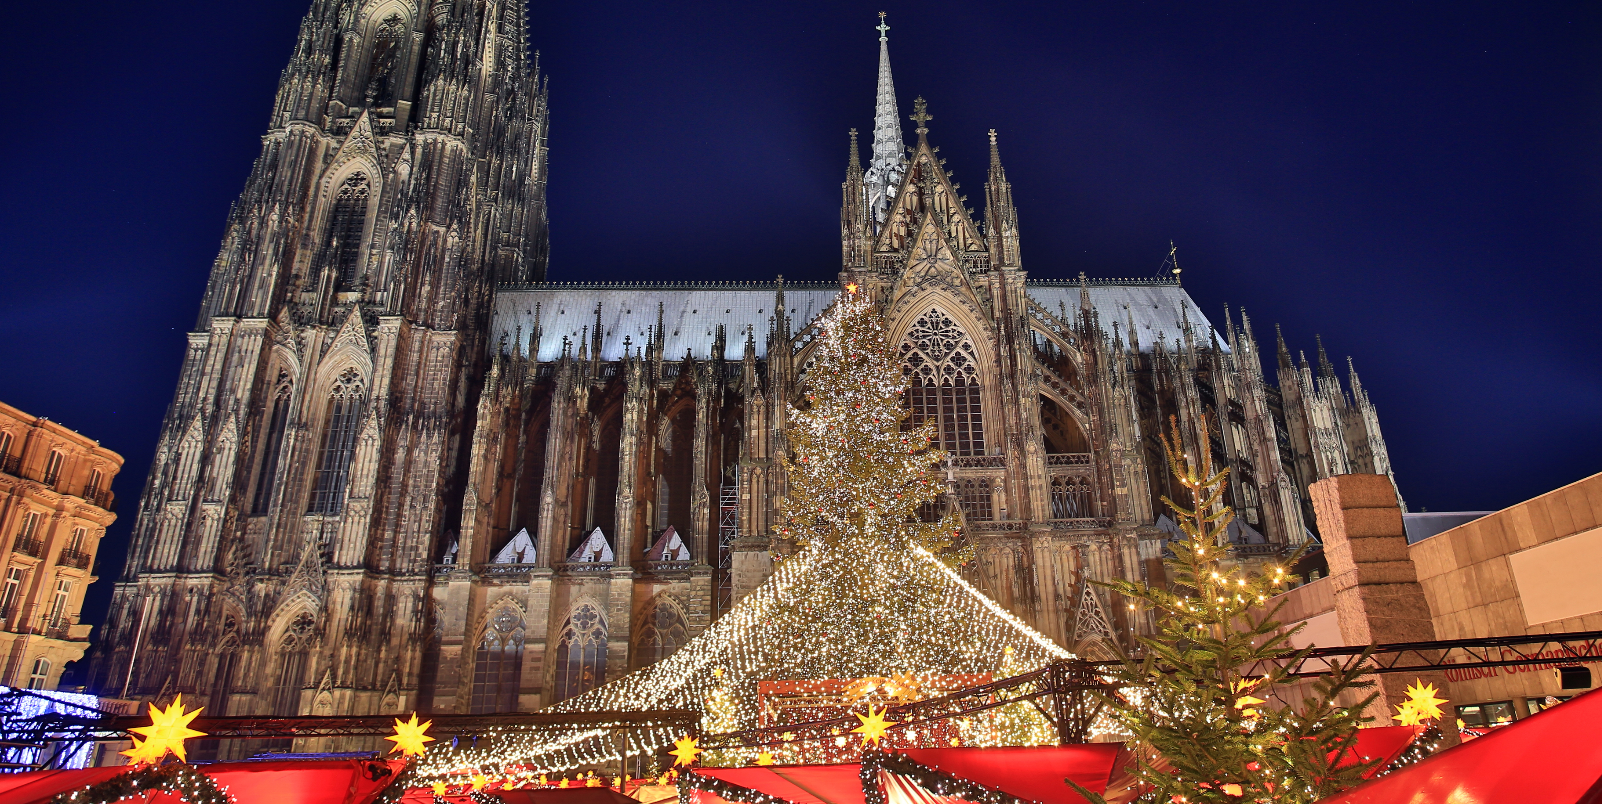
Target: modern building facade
[(402, 470), (1533, 568), (55, 505)]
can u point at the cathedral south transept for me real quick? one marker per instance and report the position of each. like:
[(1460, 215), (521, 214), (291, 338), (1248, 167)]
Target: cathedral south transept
[(404, 471)]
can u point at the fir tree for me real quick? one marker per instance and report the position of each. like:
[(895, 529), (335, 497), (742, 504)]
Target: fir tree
[(857, 476), (1203, 730)]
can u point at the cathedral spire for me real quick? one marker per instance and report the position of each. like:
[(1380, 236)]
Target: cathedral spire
[(1326, 369), (885, 161)]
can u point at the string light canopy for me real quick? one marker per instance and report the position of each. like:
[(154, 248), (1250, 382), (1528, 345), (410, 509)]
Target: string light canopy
[(870, 593)]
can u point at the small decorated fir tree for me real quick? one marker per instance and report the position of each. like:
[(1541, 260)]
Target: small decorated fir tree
[(1204, 731)]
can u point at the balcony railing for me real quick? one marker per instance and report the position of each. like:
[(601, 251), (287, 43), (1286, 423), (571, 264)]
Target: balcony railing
[(100, 497), (977, 461), (1082, 523), (32, 546), (1070, 459), (584, 568), (74, 558)]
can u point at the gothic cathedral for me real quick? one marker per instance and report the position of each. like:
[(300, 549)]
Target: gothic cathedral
[(403, 471)]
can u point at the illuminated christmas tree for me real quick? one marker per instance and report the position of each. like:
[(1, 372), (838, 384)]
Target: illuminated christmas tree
[(1204, 730), (868, 610)]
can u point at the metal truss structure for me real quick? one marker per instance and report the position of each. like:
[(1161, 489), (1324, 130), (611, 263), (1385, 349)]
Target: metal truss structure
[(1065, 692)]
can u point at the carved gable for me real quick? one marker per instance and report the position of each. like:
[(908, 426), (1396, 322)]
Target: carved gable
[(926, 190)]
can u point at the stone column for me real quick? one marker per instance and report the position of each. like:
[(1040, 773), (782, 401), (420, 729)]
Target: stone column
[(1378, 597)]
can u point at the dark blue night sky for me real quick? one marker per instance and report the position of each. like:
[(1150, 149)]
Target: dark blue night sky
[(1417, 183)]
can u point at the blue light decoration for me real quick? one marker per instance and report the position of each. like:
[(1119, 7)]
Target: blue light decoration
[(29, 743)]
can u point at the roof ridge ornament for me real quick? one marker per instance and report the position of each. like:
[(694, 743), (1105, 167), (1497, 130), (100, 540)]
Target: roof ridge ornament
[(921, 116), (882, 27)]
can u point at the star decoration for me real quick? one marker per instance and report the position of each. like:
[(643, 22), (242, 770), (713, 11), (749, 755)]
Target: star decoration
[(479, 781), (1424, 699), (140, 754), (439, 788), (1407, 715), (1244, 702), (409, 736), (168, 729), (765, 758), (874, 726), (685, 750)]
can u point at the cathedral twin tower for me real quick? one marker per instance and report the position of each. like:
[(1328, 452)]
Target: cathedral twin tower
[(402, 471)]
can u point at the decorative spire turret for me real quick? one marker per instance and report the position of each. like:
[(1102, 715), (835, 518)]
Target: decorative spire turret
[(1002, 219), (885, 161), (857, 220)]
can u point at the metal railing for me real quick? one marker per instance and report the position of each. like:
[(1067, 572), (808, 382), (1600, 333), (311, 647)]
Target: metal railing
[(33, 546), (74, 558)]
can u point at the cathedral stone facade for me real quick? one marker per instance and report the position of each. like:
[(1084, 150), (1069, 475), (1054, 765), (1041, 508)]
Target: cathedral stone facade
[(402, 470)]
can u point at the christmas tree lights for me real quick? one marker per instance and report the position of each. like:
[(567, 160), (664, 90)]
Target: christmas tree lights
[(869, 602), (1202, 732)]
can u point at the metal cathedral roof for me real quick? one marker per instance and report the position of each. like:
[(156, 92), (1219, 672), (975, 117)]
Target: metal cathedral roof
[(692, 312)]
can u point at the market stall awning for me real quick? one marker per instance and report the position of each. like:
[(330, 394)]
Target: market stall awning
[(332, 781), (1549, 758), (1025, 774), (798, 784)]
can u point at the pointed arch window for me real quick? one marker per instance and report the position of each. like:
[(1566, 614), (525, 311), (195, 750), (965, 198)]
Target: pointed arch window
[(498, 664), (384, 61), (942, 368), (347, 218), (277, 419), (293, 651), (662, 633), (581, 653), (342, 418)]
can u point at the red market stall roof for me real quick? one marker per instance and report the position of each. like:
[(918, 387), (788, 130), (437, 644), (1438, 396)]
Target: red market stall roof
[(1384, 743), (540, 795), (337, 781), (798, 784), (1026, 774), (1549, 758)]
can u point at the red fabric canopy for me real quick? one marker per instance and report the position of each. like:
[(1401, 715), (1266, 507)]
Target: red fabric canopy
[(1033, 774), (798, 784), (319, 781), (1384, 743), (26, 788), (1549, 758)]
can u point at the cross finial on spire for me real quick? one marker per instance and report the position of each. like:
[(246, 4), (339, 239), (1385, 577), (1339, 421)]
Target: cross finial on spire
[(920, 116), (882, 27)]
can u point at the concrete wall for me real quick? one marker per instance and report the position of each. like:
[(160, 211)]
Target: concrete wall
[(1532, 568)]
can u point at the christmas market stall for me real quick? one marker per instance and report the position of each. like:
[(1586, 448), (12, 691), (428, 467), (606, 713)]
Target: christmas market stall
[(1549, 758)]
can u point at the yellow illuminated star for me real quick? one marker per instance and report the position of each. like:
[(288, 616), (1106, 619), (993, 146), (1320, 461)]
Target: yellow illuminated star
[(873, 726), (479, 781), (1245, 702), (439, 788), (1408, 714), (685, 750), (765, 758), (409, 736), (1425, 701), (168, 729), (141, 754)]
